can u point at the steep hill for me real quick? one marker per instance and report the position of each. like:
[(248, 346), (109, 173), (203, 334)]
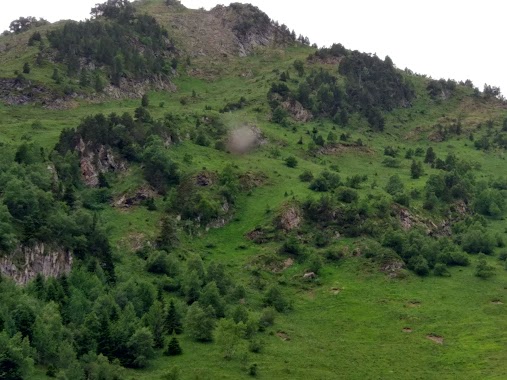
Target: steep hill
[(190, 194)]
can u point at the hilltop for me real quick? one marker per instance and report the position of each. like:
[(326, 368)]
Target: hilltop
[(202, 194)]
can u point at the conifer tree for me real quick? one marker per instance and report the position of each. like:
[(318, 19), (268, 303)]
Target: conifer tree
[(173, 348), (173, 322)]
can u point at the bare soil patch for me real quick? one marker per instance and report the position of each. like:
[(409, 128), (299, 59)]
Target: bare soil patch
[(283, 335), (414, 304), (407, 330), (435, 338), (335, 291)]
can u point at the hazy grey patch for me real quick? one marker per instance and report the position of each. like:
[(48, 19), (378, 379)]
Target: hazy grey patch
[(243, 139)]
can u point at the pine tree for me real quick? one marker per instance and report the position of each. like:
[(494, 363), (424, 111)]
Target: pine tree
[(173, 320), (173, 348), (26, 68), (416, 169)]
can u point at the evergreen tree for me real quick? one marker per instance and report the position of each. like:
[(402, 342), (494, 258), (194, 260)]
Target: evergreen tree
[(430, 156), (173, 348), (416, 169), (173, 321), (145, 101), (26, 68)]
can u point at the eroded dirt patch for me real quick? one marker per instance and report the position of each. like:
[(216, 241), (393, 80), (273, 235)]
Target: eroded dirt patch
[(436, 338), (335, 290), (414, 304), (407, 330), (283, 335)]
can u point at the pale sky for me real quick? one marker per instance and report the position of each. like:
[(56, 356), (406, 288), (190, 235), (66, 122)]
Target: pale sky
[(445, 38)]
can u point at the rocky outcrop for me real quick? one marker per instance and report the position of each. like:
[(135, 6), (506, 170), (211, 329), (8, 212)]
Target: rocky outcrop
[(20, 92), (289, 219), (140, 195), (297, 111), (96, 160), (26, 262), (235, 30)]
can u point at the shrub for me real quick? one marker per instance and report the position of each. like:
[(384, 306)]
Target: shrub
[(441, 270), (291, 162), (483, 270), (306, 176)]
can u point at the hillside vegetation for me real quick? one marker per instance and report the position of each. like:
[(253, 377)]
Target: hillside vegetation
[(190, 194)]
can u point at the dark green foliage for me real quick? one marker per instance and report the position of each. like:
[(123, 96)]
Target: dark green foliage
[(441, 270), (430, 156), (490, 202), (394, 185), (299, 67), (373, 83), (275, 298), (291, 162), (173, 321), (26, 68), (416, 169), (441, 89), (159, 170), (35, 37), (145, 101), (128, 44), (477, 240), (199, 323), (173, 348), (168, 238), (347, 195), (306, 176), (419, 265), (23, 24), (390, 151), (483, 269), (326, 181)]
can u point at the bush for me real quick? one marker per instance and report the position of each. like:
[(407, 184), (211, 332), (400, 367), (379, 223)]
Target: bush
[(347, 195), (476, 241), (275, 298), (419, 265), (306, 176), (267, 318), (441, 270), (291, 162), (483, 270)]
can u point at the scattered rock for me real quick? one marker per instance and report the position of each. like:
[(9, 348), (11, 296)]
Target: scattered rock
[(414, 304), (497, 302), (258, 236), (407, 330), (309, 276), (288, 263), (140, 195), (392, 269), (205, 179)]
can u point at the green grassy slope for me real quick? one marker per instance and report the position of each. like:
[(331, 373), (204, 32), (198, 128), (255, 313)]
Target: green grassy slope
[(349, 324)]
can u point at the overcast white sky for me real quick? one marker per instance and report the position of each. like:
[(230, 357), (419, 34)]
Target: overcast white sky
[(441, 38)]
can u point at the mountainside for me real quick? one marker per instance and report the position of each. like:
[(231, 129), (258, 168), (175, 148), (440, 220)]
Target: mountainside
[(191, 194)]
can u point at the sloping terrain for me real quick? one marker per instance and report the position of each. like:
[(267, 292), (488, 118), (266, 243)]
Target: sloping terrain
[(248, 207)]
